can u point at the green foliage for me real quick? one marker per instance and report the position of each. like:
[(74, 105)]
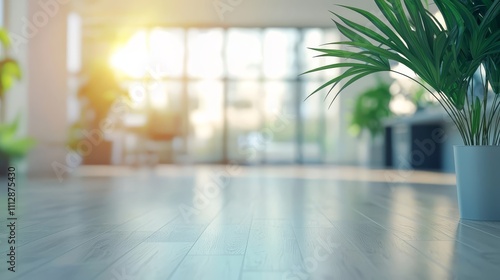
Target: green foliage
[(444, 56), (10, 71), (97, 96), (10, 144), (100, 92), (75, 135), (4, 38), (370, 108)]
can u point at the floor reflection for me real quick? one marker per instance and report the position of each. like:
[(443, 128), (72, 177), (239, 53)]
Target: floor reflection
[(295, 223)]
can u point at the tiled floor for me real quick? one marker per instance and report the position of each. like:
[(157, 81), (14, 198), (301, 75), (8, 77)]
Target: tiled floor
[(230, 222)]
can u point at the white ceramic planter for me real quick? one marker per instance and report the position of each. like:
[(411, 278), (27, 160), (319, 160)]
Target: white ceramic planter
[(478, 182)]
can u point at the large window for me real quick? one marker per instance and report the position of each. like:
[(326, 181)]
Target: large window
[(236, 92)]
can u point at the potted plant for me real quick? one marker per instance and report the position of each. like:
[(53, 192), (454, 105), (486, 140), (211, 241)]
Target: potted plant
[(371, 107), (97, 96), (11, 145), (445, 56)]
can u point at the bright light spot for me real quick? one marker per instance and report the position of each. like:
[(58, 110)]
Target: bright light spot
[(167, 52), (395, 88), (137, 93), (159, 98), (402, 106), (132, 58), (154, 54), (440, 18), (74, 60), (205, 53), (403, 69)]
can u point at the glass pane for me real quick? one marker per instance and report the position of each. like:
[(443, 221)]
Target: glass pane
[(165, 119), (244, 53), (206, 120), (313, 114), (280, 122), (137, 91), (279, 53), (205, 53), (244, 119), (152, 122), (314, 38), (166, 52), (164, 95), (168, 118), (151, 53)]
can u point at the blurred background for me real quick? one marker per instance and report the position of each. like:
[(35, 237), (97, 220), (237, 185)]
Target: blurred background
[(145, 83)]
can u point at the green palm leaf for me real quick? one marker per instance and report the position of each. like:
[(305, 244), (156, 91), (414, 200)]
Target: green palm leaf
[(444, 56)]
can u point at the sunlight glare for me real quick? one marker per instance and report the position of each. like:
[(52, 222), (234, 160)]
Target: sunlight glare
[(132, 59), (205, 53), (156, 54)]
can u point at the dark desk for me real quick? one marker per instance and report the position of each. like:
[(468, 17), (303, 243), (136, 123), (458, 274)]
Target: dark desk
[(416, 142)]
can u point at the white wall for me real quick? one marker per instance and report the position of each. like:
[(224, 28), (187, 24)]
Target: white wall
[(17, 97), (38, 33)]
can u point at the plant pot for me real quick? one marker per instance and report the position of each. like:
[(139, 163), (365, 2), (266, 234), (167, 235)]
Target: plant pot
[(478, 182), (4, 165), (100, 154)]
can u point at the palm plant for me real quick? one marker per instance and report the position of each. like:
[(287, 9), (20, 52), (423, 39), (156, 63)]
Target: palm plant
[(444, 56)]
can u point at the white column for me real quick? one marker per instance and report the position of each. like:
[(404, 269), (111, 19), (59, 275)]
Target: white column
[(16, 99), (45, 30)]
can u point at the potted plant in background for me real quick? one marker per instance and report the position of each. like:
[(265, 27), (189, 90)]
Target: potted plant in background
[(12, 146), (445, 56), (97, 96), (371, 107)]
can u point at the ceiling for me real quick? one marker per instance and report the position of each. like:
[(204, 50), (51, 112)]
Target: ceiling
[(108, 22), (248, 13)]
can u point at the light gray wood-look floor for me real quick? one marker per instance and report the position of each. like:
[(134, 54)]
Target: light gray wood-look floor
[(258, 223)]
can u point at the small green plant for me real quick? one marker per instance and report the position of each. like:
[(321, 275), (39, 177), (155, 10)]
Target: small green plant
[(11, 145), (10, 72), (445, 56), (370, 108), (99, 94)]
